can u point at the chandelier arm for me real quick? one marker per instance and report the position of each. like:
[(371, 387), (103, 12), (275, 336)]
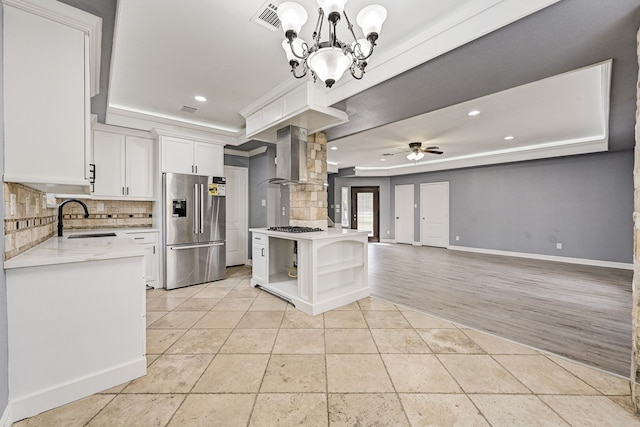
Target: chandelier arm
[(305, 50), (318, 30), (359, 67), (350, 26)]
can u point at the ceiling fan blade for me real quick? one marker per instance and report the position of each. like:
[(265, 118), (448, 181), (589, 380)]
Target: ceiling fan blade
[(434, 152)]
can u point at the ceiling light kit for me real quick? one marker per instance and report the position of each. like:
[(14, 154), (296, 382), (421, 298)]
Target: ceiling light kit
[(417, 152), (328, 60), (200, 98)]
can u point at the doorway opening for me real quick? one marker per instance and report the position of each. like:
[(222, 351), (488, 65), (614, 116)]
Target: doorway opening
[(365, 211)]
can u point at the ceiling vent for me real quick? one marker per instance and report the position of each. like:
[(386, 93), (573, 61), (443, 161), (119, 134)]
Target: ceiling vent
[(187, 109), (267, 17)]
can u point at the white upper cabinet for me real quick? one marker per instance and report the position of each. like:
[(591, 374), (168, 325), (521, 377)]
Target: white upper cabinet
[(123, 166), (47, 51), (191, 157)]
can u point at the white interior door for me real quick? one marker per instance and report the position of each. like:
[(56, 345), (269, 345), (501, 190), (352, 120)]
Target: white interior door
[(434, 214), (237, 200), (404, 213)]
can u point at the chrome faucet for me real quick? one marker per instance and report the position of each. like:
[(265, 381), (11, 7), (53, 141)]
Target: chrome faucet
[(86, 212)]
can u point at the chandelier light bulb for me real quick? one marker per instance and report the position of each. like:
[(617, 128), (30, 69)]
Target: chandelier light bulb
[(293, 17), (370, 19), (332, 8), (329, 64)]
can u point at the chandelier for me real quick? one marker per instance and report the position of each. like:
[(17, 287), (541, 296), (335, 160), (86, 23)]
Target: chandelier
[(328, 60)]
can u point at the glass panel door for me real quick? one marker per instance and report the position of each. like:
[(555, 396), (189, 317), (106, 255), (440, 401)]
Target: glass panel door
[(365, 211)]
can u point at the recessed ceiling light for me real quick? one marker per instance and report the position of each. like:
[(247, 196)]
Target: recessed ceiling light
[(200, 98), (473, 112), (383, 160), (508, 137), (334, 148)]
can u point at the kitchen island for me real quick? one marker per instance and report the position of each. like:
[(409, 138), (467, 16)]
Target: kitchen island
[(76, 320), (331, 267)]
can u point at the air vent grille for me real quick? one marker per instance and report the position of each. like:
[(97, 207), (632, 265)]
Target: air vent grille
[(267, 17), (187, 109)]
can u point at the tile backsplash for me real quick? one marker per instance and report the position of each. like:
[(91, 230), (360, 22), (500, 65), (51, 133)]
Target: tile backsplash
[(31, 222)]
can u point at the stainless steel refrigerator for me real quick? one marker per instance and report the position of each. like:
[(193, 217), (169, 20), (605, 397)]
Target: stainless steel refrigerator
[(194, 229)]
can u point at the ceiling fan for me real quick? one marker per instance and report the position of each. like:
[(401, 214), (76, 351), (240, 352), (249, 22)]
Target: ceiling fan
[(417, 151)]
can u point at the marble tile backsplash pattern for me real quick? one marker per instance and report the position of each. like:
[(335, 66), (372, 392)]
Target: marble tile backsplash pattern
[(32, 222)]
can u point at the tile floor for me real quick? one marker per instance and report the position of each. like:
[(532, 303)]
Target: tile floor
[(226, 354)]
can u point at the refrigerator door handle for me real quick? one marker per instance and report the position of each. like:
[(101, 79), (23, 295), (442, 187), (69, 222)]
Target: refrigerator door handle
[(205, 245), (196, 209), (201, 220)]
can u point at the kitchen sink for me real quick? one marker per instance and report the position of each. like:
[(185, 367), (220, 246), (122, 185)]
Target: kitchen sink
[(90, 235)]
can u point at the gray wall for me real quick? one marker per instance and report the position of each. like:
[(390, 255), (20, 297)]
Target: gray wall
[(4, 330), (584, 202)]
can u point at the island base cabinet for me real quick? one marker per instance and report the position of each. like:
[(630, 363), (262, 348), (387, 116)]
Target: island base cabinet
[(74, 329), (331, 268)]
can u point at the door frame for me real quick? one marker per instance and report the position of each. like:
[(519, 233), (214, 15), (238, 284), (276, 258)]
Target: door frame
[(244, 227), (445, 184), (376, 210)]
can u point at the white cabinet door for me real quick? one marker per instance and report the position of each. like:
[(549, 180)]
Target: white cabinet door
[(44, 101), (149, 241), (139, 167), (177, 156), (259, 259), (209, 159), (109, 159)]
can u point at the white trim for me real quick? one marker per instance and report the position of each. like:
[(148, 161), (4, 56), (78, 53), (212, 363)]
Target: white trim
[(417, 243), (146, 121), (43, 400), (387, 241), (569, 260), (7, 415), (249, 153), (208, 139)]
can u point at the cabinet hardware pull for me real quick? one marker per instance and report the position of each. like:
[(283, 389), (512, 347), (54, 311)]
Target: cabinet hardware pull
[(196, 166), (92, 172), (138, 238), (154, 250), (123, 191), (127, 191), (262, 249)]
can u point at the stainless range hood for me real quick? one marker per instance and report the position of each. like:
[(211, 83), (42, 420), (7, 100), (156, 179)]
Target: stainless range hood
[(291, 154)]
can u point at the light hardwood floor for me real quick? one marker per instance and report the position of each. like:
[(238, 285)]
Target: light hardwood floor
[(580, 312)]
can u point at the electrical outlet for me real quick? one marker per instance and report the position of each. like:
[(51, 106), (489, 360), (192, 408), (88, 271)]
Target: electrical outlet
[(388, 232), (457, 238), (264, 202), (415, 206), (27, 202), (558, 245), (100, 207)]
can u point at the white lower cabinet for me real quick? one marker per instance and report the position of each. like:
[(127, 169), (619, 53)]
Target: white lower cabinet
[(259, 260), (149, 241)]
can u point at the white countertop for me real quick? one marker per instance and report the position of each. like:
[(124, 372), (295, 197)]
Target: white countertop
[(331, 233), (61, 250)]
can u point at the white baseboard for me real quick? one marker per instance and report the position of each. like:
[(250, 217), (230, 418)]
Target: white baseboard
[(6, 420), (387, 241), (582, 261), (43, 400)]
